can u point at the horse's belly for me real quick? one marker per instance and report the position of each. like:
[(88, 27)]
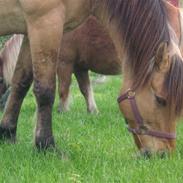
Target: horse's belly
[(106, 69), (107, 65), (102, 58)]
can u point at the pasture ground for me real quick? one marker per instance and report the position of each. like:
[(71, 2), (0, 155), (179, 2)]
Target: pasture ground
[(96, 148)]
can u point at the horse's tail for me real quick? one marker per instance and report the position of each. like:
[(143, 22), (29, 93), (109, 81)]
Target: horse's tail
[(9, 55)]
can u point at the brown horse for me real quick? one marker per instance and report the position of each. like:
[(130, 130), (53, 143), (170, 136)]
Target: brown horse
[(146, 35), (88, 47)]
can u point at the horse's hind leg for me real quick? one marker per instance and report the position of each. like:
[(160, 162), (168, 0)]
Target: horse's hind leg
[(64, 72), (21, 82), (86, 89)]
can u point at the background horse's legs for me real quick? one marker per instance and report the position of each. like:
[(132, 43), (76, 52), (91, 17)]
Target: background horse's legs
[(64, 73), (21, 82), (45, 34), (86, 89)]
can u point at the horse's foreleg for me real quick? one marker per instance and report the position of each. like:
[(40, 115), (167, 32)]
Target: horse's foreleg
[(64, 72), (45, 35), (21, 82), (86, 89)]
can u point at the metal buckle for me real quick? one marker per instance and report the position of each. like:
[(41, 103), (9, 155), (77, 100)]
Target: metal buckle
[(130, 93), (143, 130)]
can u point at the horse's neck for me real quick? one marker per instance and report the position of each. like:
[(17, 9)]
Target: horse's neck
[(9, 55), (100, 11)]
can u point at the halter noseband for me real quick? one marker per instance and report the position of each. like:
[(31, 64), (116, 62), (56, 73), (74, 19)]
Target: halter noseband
[(141, 129)]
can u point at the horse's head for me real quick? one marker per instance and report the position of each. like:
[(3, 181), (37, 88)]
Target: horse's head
[(151, 110), (151, 98)]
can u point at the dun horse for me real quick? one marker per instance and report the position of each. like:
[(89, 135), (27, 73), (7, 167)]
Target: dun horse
[(145, 36)]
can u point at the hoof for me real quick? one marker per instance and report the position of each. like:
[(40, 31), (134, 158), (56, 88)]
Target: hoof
[(59, 109), (93, 111), (8, 134), (44, 143), (100, 80), (62, 109)]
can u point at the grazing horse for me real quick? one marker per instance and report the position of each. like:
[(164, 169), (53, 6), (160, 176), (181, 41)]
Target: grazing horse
[(146, 38)]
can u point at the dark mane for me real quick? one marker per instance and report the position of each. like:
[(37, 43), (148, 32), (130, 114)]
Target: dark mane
[(143, 26), (174, 85)]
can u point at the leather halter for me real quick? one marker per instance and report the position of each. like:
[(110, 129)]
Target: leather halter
[(141, 129)]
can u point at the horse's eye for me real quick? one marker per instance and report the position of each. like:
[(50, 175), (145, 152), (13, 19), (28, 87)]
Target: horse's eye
[(161, 101), (126, 121)]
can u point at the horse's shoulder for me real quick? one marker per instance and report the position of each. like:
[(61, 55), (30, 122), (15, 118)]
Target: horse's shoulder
[(38, 7)]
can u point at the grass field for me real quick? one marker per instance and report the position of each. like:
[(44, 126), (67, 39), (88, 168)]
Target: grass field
[(96, 148)]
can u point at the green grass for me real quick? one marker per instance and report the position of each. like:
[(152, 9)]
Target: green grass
[(96, 148)]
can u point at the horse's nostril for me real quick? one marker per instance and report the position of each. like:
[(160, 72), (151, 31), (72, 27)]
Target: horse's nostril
[(146, 153), (163, 154)]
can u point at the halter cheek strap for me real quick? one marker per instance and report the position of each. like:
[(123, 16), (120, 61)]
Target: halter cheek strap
[(141, 129)]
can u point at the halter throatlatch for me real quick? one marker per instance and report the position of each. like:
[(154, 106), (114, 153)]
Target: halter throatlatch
[(141, 129)]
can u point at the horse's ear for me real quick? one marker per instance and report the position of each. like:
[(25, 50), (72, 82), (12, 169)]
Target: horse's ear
[(161, 57)]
